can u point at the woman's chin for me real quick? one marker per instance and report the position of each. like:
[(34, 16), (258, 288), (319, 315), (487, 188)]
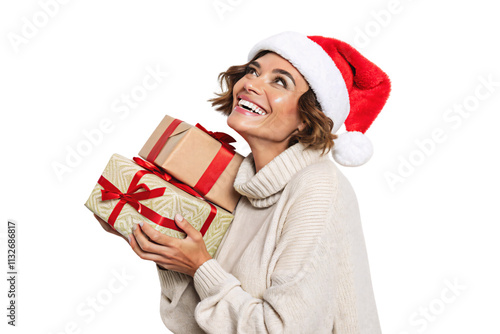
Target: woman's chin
[(241, 124), (235, 122)]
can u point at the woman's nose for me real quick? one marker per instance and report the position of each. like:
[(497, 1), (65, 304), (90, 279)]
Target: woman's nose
[(253, 85)]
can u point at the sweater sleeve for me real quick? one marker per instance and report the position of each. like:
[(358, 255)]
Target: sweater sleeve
[(300, 296), (178, 299)]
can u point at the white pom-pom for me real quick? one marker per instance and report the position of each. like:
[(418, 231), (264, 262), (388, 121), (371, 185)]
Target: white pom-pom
[(352, 149)]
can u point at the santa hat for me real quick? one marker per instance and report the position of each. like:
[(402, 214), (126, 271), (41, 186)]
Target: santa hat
[(350, 89)]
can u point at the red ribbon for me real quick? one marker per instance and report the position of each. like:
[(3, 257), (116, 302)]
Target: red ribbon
[(222, 137), (163, 139), (153, 169), (218, 164), (167, 177), (133, 196)]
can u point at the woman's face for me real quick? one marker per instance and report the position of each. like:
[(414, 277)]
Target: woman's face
[(265, 102)]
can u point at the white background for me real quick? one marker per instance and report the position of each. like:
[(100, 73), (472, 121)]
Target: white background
[(435, 226)]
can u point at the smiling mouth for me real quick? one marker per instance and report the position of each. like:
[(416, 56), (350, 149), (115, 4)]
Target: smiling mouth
[(247, 105)]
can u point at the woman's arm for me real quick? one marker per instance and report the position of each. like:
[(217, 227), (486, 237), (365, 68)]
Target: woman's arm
[(178, 300)]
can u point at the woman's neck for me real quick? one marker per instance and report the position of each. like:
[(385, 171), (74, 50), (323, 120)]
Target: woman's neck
[(265, 153)]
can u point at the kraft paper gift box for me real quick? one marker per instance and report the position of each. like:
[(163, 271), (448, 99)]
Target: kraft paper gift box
[(124, 184), (194, 157)]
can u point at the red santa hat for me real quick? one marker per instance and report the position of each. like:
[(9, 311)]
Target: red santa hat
[(350, 89)]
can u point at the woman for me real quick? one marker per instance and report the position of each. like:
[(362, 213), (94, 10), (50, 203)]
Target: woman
[(294, 258)]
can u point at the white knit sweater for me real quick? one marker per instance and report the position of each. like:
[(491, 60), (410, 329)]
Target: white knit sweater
[(292, 261)]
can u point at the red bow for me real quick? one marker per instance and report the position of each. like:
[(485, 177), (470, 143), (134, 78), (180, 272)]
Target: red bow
[(132, 197), (222, 137)]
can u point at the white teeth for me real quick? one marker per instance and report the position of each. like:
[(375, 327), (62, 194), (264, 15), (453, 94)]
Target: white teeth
[(252, 106)]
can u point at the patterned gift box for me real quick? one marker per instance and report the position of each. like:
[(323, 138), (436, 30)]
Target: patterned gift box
[(201, 159), (125, 187)]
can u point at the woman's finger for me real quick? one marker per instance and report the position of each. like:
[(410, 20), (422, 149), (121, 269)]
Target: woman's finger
[(141, 253), (144, 242), (156, 236), (184, 225)]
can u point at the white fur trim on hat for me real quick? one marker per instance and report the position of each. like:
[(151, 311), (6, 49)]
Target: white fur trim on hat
[(352, 149), (318, 69)]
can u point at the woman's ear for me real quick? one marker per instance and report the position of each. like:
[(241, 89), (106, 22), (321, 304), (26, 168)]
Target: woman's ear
[(301, 126)]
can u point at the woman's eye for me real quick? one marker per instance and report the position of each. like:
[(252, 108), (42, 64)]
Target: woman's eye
[(251, 70), (281, 81)]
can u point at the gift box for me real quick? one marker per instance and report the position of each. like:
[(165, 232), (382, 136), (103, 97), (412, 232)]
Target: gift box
[(202, 159), (125, 189)]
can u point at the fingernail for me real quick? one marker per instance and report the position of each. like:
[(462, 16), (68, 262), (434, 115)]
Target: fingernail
[(134, 227), (141, 223), (129, 240), (178, 218)]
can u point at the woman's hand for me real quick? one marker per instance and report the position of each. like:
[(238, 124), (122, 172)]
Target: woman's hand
[(108, 228), (181, 255)]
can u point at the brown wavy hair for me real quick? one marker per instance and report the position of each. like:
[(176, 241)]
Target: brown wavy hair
[(317, 132)]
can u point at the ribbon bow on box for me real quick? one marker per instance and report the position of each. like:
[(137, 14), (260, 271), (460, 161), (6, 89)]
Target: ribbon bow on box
[(133, 196), (222, 137)]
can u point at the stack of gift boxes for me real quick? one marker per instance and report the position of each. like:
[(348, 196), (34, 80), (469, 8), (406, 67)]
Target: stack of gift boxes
[(183, 169)]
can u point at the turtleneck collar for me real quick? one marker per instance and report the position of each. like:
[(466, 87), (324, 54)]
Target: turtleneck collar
[(264, 188)]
